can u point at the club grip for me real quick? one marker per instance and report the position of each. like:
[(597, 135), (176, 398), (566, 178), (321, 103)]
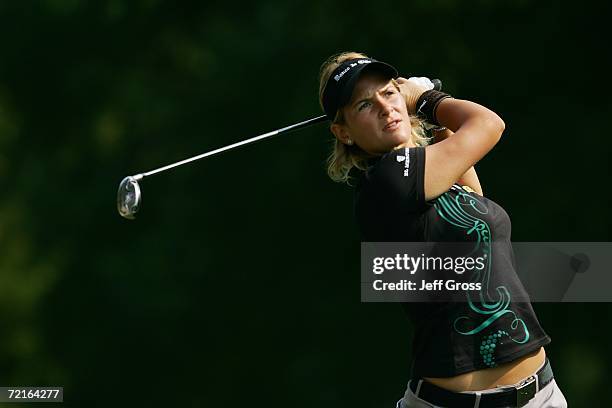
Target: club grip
[(437, 84)]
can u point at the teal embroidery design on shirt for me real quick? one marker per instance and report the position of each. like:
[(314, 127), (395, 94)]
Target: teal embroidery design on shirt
[(490, 308)]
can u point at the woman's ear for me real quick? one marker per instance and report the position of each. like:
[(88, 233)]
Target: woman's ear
[(341, 133)]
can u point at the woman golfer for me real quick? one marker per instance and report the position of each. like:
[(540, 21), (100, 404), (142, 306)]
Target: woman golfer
[(484, 352)]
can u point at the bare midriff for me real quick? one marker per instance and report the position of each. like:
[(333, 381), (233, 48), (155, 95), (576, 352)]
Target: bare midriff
[(504, 374)]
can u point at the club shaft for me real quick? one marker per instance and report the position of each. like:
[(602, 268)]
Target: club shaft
[(286, 129)]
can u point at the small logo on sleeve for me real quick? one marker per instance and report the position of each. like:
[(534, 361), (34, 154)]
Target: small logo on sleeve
[(405, 159)]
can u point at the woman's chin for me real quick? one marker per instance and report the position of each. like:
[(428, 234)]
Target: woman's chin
[(401, 141)]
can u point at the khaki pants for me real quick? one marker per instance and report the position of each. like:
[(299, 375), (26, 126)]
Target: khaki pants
[(548, 397)]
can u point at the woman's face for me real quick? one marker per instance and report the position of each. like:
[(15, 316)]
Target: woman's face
[(376, 117)]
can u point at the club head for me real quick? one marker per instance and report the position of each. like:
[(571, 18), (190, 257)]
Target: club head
[(128, 197)]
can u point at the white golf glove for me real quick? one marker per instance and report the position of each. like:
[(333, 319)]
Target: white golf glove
[(422, 81)]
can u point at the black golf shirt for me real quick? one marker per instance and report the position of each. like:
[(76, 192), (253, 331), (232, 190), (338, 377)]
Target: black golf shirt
[(450, 338)]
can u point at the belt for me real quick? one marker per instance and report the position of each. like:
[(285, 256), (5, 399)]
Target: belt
[(517, 396)]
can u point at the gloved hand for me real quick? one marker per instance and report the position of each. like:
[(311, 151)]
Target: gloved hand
[(412, 88)]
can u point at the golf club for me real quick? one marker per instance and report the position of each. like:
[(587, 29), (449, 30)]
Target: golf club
[(129, 196)]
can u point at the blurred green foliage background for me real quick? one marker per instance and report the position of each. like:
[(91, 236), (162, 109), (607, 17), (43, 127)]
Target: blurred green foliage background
[(238, 283)]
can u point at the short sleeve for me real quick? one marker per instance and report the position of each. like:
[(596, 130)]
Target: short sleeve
[(399, 178)]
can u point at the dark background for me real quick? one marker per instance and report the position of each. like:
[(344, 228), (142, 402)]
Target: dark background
[(238, 283)]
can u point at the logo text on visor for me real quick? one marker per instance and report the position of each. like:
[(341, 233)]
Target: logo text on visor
[(347, 69)]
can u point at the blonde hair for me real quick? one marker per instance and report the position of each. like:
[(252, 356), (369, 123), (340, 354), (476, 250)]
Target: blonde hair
[(343, 158)]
